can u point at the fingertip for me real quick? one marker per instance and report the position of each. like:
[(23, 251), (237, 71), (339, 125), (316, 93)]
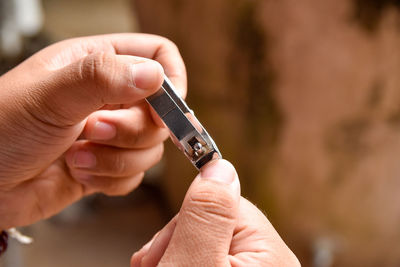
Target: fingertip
[(218, 167), (180, 83), (221, 171), (101, 131), (147, 75)]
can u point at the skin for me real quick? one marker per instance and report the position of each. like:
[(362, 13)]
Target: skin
[(216, 227), (73, 121), (56, 148)]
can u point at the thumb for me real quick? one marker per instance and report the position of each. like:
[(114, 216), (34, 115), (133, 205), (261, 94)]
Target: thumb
[(206, 221), (73, 92)]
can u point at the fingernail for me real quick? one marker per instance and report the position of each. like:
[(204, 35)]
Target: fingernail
[(84, 159), (103, 131), (145, 74), (220, 171)]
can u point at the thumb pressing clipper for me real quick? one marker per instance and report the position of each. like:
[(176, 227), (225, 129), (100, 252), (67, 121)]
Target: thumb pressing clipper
[(186, 131)]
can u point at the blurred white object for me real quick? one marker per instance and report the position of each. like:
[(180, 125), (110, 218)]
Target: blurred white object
[(18, 19), (324, 250), (17, 235)]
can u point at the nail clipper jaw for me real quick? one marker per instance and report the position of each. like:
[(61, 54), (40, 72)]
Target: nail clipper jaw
[(186, 131)]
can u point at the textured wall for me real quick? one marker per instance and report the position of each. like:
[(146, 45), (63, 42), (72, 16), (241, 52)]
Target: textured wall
[(303, 97)]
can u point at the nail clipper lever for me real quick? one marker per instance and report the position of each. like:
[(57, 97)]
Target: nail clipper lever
[(186, 131)]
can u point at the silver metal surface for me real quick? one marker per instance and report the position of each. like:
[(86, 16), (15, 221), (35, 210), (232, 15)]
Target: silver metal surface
[(186, 131)]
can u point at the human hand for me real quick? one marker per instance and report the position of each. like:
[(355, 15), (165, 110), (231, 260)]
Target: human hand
[(216, 227), (73, 121)]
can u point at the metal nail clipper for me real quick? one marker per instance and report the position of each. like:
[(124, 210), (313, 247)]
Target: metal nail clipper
[(186, 131)]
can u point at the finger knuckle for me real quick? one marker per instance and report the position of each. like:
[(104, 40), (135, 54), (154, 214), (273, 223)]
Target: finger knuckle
[(118, 165), (135, 135), (97, 69), (206, 206), (89, 66)]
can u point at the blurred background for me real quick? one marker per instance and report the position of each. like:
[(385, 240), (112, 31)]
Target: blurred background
[(302, 96)]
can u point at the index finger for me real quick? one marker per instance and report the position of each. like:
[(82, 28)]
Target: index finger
[(255, 240)]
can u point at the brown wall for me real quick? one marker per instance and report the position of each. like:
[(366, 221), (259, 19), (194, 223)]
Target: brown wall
[(303, 97)]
